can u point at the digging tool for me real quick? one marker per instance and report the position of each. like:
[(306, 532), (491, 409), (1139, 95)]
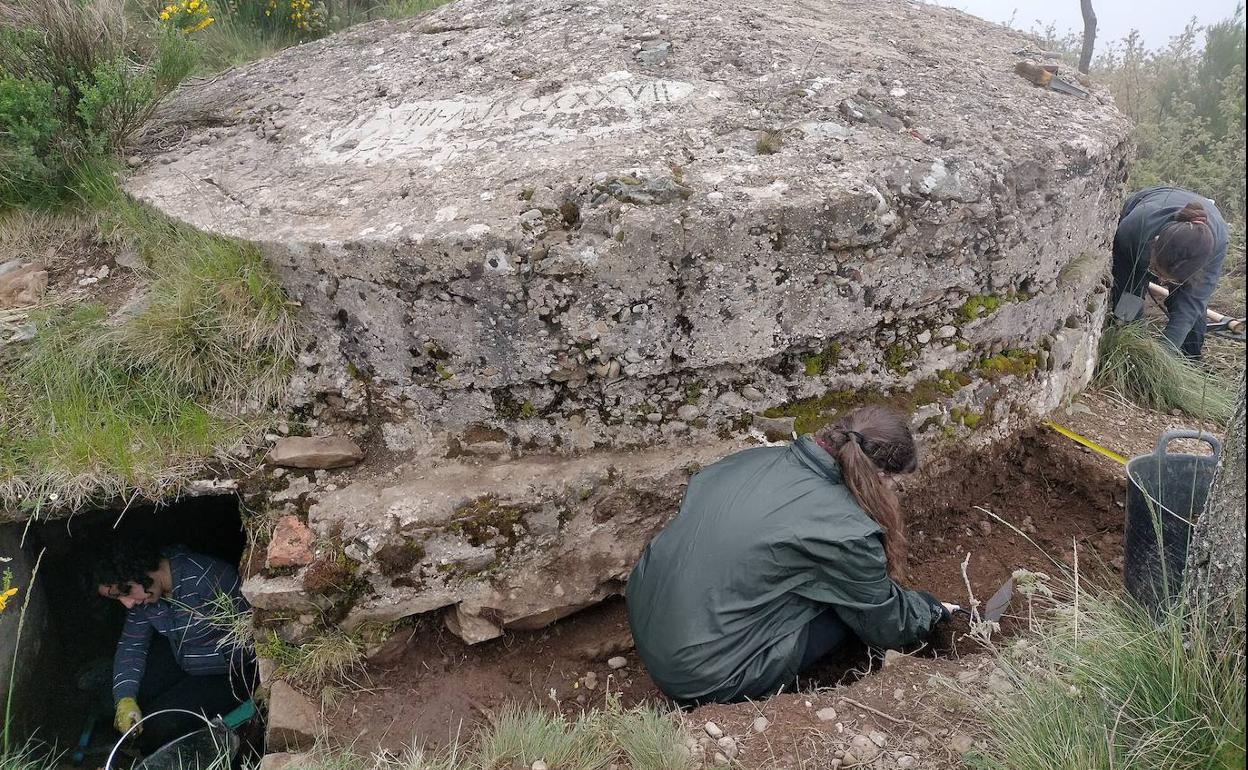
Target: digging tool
[(1228, 326), (999, 601)]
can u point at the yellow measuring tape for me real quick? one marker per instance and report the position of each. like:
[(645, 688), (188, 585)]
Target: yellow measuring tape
[(1095, 447)]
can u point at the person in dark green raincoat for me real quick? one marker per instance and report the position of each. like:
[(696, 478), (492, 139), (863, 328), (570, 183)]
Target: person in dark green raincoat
[(778, 555)]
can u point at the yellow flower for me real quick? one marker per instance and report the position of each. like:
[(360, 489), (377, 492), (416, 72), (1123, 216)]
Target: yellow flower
[(4, 598)]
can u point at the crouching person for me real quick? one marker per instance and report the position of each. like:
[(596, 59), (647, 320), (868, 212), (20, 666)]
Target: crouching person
[(778, 556), (175, 651)]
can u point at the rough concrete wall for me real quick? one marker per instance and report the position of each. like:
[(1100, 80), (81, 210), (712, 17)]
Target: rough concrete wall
[(532, 241)]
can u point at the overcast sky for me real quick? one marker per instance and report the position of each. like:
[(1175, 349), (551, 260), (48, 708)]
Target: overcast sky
[(1156, 20)]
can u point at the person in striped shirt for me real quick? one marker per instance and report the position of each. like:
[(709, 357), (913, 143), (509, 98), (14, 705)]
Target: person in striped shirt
[(175, 650)]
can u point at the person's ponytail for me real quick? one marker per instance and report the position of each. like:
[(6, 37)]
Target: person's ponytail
[(862, 477), (870, 441)]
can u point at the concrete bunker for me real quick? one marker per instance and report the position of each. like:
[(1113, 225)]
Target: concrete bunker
[(549, 260)]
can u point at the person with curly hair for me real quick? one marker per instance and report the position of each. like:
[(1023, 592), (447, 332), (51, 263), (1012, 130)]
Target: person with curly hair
[(1178, 238), (175, 651)]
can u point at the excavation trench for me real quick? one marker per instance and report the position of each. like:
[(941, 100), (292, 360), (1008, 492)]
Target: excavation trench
[(1058, 495), (65, 663)]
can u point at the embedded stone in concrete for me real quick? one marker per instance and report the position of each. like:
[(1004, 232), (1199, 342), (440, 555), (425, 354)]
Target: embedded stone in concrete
[(290, 544), (293, 720), (309, 452)]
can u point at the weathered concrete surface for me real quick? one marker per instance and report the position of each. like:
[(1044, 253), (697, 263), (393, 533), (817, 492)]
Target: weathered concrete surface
[(529, 236)]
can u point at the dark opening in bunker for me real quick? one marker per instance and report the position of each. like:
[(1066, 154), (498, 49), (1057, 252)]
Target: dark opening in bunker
[(70, 640)]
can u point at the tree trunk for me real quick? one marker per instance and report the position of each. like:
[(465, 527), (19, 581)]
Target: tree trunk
[(1215, 558), (1089, 35)]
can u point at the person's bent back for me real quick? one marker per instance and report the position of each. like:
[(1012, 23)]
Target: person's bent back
[(772, 562)]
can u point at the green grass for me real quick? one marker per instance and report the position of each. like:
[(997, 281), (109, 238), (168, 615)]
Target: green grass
[(515, 737), (522, 736), (1138, 363), (333, 657), (102, 405), (1102, 685), (649, 739), (29, 756)]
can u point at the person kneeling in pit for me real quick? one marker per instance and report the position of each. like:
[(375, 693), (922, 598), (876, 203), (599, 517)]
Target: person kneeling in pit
[(174, 651), (777, 557)]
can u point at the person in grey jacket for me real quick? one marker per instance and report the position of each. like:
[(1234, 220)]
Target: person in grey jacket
[(1179, 238), (777, 557)]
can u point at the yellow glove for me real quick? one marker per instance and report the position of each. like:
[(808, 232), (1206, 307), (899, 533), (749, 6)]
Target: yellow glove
[(127, 714)]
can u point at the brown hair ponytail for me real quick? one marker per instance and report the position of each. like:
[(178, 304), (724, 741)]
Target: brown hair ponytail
[(865, 443), (1183, 249)]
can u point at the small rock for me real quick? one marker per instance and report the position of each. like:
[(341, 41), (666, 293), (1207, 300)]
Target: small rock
[(290, 545), (899, 694), (924, 337), (961, 742), (728, 746), (134, 161), (590, 681), (985, 527), (23, 286), (905, 762), (999, 682), (539, 765), (720, 759), (760, 724), (617, 663), (713, 730), (945, 332), (688, 412), (862, 750), (654, 417), (293, 722), (323, 452), (775, 428), (892, 658), (878, 738), (826, 714), (752, 393), (25, 333)]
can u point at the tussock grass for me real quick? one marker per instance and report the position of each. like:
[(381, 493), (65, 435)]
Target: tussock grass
[(1139, 364), (649, 739), (101, 406), (330, 658), (639, 739), (29, 756), (1101, 684), (522, 736)]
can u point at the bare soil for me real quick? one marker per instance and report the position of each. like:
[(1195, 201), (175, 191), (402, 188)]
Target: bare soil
[(1059, 495)]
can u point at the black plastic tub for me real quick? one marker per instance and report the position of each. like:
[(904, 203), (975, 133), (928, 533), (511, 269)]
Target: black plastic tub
[(1166, 492)]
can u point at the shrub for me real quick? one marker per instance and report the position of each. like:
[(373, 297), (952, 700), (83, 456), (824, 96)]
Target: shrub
[(76, 81)]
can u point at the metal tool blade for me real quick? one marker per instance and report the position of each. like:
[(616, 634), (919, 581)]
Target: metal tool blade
[(999, 601)]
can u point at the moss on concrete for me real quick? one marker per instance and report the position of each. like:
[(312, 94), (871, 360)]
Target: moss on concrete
[(819, 363), (1015, 362), (487, 522)]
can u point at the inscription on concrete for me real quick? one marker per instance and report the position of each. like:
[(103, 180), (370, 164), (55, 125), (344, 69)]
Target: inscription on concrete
[(438, 130)]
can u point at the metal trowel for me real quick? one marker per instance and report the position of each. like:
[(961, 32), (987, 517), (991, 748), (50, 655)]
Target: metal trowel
[(999, 601)]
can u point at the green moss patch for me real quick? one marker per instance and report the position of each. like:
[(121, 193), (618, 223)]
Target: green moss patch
[(484, 521), (1016, 362), (821, 362)]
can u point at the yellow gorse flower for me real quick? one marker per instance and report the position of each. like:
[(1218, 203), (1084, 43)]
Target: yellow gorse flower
[(5, 596)]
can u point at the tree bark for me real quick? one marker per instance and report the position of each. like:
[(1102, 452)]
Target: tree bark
[(1215, 559), (1089, 35)]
